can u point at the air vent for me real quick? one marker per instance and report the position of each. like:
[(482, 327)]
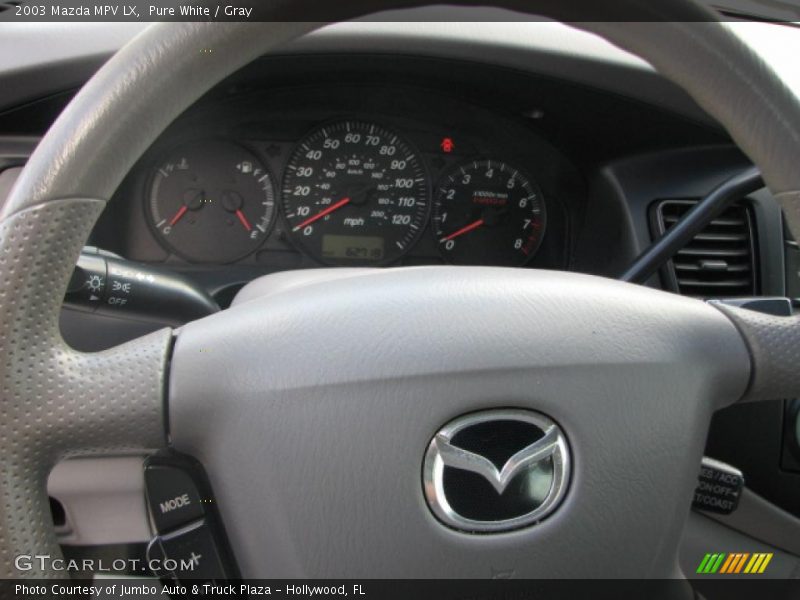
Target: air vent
[(719, 262)]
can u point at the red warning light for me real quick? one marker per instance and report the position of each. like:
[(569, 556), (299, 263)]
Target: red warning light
[(447, 145)]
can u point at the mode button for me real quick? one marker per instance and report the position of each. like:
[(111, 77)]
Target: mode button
[(173, 497)]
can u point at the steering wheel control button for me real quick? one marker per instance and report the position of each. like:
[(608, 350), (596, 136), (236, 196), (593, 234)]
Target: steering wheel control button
[(720, 487), (496, 470), (191, 543), (173, 497), (190, 554), (156, 559)]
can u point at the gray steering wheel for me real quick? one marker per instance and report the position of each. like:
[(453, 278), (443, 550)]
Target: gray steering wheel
[(312, 407)]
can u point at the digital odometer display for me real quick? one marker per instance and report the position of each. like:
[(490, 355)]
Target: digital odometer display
[(355, 193), (352, 247)]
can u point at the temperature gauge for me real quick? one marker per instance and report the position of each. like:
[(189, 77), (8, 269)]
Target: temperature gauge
[(211, 201)]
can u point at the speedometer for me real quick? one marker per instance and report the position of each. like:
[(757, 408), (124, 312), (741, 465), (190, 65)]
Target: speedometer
[(355, 193)]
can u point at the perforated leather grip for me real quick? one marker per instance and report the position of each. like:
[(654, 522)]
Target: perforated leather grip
[(54, 401), (774, 347)]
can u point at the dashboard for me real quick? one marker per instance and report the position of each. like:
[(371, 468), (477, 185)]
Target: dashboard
[(347, 160), (377, 159), (347, 171)]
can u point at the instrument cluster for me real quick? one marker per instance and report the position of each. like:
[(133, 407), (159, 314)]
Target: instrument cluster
[(255, 180), (351, 192)]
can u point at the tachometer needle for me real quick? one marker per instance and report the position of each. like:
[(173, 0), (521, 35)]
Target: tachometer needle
[(243, 220), (462, 231), (181, 211), (322, 213)]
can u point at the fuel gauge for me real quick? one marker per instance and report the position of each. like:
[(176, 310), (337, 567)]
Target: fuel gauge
[(211, 202)]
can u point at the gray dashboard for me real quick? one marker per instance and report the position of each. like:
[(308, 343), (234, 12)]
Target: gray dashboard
[(38, 58)]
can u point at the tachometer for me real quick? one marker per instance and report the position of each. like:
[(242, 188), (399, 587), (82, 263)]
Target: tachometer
[(488, 213), (211, 201), (355, 193)]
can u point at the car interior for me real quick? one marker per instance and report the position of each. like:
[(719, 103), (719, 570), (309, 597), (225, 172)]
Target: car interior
[(438, 292)]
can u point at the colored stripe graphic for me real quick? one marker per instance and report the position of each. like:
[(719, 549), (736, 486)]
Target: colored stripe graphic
[(703, 563), (734, 563), (727, 564), (730, 564), (712, 558), (755, 562), (740, 564), (763, 566), (716, 564)]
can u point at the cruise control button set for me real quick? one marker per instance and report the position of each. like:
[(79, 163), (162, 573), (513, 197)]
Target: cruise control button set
[(719, 487)]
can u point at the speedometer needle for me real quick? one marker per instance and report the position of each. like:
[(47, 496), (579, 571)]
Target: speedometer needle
[(322, 213), (462, 231)]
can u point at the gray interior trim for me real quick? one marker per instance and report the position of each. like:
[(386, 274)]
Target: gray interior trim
[(762, 520), (769, 243), (103, 499), (15, 149), (7, 179), (42, 58), (711, 53)]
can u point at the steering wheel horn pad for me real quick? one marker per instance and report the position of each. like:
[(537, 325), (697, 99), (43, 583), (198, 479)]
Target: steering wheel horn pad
[(312, 408)]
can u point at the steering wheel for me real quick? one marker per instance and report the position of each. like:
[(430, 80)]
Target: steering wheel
[(312, 408)]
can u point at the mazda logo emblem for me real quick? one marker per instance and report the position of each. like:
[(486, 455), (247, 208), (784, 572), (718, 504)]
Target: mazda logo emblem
[(496, 470)]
